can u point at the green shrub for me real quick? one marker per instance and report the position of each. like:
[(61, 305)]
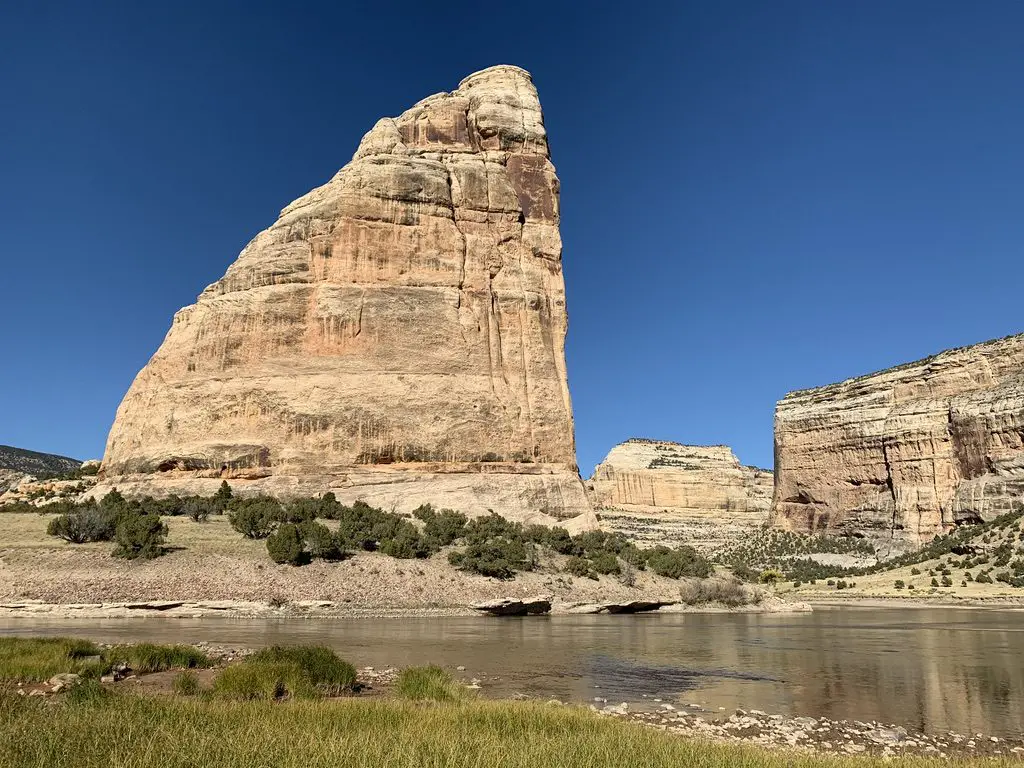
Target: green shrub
[(492, 526), (140, 537), (983, 578), (407, 544), (286, 545), (300, 511), (935, 582), (947, 582), (770, 576), (676, 563), (320, 542), (429, 683), (728, 592), (744, 572), (605, 563), (559, 540), (364, 527), (444, 527), (915, 571), (87, 523), (222, 498), (185, 684), (579, 566), (254, 518), (198, 509), (499, 558), (321, 666)]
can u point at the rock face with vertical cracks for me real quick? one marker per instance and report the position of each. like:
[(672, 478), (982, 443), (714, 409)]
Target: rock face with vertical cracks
[(660, 492), (902, 455), (396, 335)]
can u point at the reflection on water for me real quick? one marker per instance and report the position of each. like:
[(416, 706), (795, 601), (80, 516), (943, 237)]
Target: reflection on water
[(932, 669)]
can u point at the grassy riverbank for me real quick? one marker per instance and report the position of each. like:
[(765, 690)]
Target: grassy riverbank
[(125, 730), (176, 706)]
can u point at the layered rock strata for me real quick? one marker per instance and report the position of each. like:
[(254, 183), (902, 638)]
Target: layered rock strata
[(397, 335), (659, 492), (907, 453)]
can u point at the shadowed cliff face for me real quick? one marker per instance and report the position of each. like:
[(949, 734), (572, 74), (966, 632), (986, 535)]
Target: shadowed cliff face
[(905, 454), (407, 315)]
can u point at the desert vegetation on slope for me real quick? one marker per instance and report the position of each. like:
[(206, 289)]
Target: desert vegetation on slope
[(301, 530)]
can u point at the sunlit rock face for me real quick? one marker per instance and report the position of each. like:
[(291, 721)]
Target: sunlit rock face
[(660, 492), (397, 335), (902, 455)]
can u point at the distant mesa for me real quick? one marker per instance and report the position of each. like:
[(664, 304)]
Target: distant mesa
[(905, 454), (662, 492), (397, 335)]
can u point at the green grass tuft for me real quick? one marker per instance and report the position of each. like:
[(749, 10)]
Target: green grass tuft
[(264, 681), (185, 684), (35, 659), (430, 683), (147, 657), (322, 667)]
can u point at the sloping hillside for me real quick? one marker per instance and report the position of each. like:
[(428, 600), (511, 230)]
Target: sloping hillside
[(35, 463)]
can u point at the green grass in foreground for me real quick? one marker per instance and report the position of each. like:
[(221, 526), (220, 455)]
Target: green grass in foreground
[(124, 731), (34, 659)]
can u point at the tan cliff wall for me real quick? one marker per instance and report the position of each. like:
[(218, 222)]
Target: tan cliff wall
[(661, 492), (907, 453), (396, 335)]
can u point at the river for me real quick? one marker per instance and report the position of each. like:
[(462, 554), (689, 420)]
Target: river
[(928, 669)]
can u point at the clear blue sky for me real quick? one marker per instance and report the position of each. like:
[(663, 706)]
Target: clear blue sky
[(757, 197)]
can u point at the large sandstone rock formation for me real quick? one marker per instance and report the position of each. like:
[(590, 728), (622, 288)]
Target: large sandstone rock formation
[(907, 453), (660, 492), (397, 335)]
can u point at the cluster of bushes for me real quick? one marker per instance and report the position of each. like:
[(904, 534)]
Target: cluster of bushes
[(137, 531), (295, 536), (729, 592), (489, 545)]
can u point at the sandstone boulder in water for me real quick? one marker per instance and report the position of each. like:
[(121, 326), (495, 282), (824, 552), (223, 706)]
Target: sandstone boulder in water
[(905, 454), (661, 492), (397, 335)]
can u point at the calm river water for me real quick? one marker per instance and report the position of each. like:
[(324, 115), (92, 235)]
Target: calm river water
[(929, 669)]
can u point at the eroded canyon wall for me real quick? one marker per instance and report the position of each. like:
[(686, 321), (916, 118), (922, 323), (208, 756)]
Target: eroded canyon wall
[(907, 453), (396, 335), (660, 492)]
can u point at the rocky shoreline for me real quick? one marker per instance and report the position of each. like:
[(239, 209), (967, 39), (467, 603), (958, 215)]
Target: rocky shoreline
[(28, 609), (816, 734)]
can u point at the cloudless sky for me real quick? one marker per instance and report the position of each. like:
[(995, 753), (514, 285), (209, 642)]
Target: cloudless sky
[(756, 196)]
